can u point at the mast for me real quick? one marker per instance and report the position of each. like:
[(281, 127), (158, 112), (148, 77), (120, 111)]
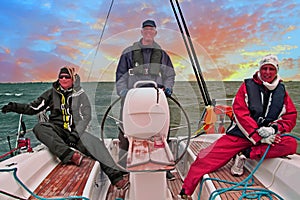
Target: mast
[(192, 54)]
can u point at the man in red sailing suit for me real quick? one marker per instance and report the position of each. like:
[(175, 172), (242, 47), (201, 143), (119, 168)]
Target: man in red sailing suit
[(263, 111)]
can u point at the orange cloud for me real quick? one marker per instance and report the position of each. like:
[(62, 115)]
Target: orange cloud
[(6, 50), (67, 51)]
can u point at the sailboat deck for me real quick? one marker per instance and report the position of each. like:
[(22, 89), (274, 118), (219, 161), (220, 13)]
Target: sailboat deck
[(65, 180), (224, 174), (60, 182), (174, 187)]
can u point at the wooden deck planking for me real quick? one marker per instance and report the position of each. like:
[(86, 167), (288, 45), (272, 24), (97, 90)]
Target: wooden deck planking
[(114, 193), (175, 185), (65, 180), (224, 174)]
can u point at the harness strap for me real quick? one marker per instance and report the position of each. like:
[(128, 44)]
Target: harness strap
[(139, 66), (65, 113)]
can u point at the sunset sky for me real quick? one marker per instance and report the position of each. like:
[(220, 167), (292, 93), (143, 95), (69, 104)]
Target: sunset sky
[(230, 37)]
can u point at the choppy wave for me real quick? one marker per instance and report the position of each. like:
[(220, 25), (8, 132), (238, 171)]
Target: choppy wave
[(12, 94)]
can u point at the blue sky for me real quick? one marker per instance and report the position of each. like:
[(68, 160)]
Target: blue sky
[(39, 36)]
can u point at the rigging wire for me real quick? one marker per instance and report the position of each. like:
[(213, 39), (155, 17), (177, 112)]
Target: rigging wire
[(192, 54), (188, 50), (100, 39)]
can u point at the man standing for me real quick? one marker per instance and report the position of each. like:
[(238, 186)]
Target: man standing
[(144, 60)]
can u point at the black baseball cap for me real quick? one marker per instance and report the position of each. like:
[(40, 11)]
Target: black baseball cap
[(149, 23)]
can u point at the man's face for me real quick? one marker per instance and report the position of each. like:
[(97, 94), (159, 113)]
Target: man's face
[(268, 73), (65, 81), (148, 34)]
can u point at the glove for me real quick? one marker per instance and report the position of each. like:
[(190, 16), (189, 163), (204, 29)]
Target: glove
[(7, 108), (266, 131), (73, 139), (123, 92), (168, 92), (268, 140)]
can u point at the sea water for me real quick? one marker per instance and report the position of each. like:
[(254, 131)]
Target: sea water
[(102, 96)]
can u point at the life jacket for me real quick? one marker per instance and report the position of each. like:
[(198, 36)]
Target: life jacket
[(262, 113), (272, 105), (65, 107), (139, 67)]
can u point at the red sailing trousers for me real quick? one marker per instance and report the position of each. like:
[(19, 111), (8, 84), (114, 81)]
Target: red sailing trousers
[(226, 147)]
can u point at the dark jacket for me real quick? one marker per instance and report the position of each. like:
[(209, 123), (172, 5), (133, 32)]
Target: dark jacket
[(251, 112), (125, 81), (76, 103)]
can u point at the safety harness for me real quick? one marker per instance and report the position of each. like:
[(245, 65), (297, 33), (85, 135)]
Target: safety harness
[(267, 109), (66, 115), (139, 67), (263, 111)]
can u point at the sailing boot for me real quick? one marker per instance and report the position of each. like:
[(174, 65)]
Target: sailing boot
[(76, 158), (237, 168)]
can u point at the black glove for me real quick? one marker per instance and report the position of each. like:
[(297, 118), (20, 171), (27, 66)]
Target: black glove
[(73, 139), (168, 92), (7, 108)]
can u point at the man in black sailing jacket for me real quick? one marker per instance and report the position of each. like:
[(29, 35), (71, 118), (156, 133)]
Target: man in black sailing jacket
[(144, 60), (65, 130)]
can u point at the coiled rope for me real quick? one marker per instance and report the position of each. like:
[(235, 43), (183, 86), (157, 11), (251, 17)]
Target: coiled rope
[(256, 193)]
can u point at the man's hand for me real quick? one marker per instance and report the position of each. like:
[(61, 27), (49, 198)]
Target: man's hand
[(268, 140), (266, 131), (73, 139)]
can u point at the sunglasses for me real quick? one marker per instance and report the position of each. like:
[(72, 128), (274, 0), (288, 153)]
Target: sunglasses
[(64, 76)]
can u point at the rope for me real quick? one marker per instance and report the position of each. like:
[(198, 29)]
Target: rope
[(10, 152), (14, 170), (257, 193)]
